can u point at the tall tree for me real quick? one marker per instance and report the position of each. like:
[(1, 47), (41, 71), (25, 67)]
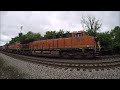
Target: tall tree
[(37, 36), (50, 34), (115, 35), (105, 40), (60, 33), (91, 25)]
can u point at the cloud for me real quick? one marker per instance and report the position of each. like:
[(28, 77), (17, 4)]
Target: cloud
[(42, 21), (4, 39)]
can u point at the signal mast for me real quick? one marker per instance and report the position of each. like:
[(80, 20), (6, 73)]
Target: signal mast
[(21, 29), (20, 34)]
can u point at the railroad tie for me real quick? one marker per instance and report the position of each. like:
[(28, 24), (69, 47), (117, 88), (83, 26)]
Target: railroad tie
[(99, 64), (58, 64), (77, 65), (95, 65), (63, 64), (81, 64), (103, 64), (90, 65), (55, 63), (72, 64)]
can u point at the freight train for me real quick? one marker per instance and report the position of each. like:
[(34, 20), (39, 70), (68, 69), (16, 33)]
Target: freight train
[(75, 44)]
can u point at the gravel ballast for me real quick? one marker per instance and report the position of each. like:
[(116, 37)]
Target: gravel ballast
[(37, 71)]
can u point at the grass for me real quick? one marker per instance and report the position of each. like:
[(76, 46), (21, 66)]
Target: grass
[(10, 72)]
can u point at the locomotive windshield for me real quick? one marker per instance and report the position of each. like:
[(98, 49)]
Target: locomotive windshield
[(77, 34)]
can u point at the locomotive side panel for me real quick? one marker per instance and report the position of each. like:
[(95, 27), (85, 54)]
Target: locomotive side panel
[(88, 40), (83, 42), (31, 45), (40, 44), (44, 44), (55, 43), (77, 42), (68, 42), (34, 45), (61, 43), (50, 44)]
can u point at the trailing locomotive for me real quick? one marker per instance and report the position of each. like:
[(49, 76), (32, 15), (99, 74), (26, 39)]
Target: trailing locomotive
[(75, 44)]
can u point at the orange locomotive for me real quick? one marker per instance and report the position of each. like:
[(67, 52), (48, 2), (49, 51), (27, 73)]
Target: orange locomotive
[(76, 44)]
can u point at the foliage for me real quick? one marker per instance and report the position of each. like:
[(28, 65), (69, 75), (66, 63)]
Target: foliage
[(50, 34), (110, 41), (115, 35), (30, 36), (105, 40), (54, 34), (92, 25)]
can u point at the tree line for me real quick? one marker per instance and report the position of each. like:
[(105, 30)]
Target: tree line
[(30, 36)]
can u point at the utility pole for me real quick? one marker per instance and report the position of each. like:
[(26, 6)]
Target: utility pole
[(21, 29), (20, 34)]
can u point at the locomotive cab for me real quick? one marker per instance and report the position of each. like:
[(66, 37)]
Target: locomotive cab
[(85, 42), (79, 34)]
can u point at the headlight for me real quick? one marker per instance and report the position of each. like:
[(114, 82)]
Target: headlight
[(88, 45)]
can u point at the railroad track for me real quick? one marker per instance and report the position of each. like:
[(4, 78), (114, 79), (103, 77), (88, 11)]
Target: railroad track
[(101, 63)]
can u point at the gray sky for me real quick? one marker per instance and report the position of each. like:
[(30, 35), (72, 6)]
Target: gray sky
[(42, 21)]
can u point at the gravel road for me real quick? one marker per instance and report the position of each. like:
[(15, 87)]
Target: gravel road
[(37, 71)]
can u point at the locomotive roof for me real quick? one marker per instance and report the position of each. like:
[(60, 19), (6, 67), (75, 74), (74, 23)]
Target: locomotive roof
[(78, 31)]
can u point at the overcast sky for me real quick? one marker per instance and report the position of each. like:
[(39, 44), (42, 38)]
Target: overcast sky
[(42, 21)]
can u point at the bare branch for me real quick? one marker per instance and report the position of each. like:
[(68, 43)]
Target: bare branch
[(92, 25)]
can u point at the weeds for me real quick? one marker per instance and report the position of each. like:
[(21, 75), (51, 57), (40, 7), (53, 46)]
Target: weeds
[(9, 72)]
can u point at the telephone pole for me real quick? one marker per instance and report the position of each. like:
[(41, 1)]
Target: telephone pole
[(20, 34), (21, 29)]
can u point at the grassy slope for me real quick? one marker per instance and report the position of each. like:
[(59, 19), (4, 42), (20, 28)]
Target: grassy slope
[(9, 72)]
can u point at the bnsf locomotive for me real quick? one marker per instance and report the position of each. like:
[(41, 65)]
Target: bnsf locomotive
[(75, 44)]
